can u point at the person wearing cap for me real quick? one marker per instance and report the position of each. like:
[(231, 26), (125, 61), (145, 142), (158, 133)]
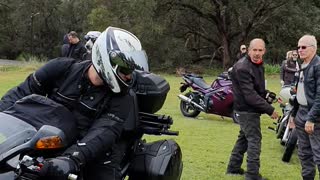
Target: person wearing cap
[(90, 38), (242, 52)]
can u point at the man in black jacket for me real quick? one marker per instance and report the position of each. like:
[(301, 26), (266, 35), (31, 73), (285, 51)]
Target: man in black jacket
[(306, 112), (96, 93), (76, 49), (249, 103)]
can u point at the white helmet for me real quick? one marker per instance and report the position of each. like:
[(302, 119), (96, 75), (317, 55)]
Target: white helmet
[(117, 50), (91, 37)]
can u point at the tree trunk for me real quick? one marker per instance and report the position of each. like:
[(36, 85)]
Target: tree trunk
[(226, 52)]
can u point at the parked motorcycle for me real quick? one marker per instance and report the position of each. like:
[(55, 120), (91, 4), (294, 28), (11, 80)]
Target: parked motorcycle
[(288, 136), (24, 143), (216, 98)]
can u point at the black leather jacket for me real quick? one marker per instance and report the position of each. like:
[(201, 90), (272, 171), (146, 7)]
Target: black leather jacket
[(287, 71), (76, 51), (312, 90), (249, 87), (100, 113)]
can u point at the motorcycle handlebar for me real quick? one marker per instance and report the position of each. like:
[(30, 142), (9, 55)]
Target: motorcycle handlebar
[(161, 119), (157, 131)]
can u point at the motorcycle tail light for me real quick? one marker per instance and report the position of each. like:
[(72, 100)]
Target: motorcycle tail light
[(51, 142)]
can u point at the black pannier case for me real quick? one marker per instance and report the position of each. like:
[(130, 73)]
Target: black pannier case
[(151, 91), (160, 160)]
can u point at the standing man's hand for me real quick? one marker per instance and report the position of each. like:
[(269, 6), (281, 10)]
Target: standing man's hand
[(309, 127), (282, 83), (274, 115)]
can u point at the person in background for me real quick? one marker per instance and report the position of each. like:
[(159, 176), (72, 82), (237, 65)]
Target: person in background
[(90, 37), (251, 99), (65, 46), (288, 68), (306, 112), (243, 51), (76, 49)]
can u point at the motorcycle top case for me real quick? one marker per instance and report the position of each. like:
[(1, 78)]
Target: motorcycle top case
[(160, 160), (151, 91)]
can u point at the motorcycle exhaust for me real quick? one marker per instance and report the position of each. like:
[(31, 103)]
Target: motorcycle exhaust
[(188, 100)]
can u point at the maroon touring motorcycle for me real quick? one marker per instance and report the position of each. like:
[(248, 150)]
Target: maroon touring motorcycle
[(216, 98)]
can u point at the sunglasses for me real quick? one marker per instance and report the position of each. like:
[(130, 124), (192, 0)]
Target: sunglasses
[(294, 54), (243, 48), (303, 47)]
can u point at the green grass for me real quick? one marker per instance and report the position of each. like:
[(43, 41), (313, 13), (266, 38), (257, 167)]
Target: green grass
[(207, 140)]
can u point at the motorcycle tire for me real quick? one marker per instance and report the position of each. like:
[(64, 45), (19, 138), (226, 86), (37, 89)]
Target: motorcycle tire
[(281, 127), (187, 109), (290, 146), (235, 117)]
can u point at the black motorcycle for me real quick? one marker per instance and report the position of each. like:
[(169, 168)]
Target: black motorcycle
[(288, 136), (27, 139)]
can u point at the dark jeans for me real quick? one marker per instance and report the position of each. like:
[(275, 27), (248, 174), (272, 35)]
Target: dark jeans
[(308, 145), (249, 140)]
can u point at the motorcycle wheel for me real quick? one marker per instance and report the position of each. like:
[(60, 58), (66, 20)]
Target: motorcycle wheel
[(290, 146), (281, 127), (235, 118), (187, 109)]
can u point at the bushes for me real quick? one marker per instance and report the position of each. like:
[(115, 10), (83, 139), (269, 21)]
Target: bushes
[(270, 69)]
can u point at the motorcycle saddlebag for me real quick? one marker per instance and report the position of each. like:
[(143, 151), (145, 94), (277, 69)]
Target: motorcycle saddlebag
[(151, 90), (160, 160)]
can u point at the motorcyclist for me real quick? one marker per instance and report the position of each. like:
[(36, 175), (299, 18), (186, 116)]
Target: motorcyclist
[(96, 93), (90, 37)]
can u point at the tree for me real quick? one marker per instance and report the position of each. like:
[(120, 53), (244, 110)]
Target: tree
[(223, 24)]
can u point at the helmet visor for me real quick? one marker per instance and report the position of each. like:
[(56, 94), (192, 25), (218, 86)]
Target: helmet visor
[(127, 62)]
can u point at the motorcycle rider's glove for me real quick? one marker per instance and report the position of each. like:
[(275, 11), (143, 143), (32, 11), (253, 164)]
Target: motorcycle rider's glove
[(58, 168), (271, 97)]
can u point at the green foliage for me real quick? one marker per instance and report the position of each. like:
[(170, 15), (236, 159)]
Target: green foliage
[(272, 69), (9, 68), (173, 32), (31, 58)]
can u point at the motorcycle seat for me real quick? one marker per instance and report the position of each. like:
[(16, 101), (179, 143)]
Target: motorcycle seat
[(200, 82)]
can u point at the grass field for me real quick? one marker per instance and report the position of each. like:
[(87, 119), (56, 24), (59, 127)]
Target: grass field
[(206, 141)]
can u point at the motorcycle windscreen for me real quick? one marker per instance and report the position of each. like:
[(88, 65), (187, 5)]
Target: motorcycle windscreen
[(13, 132)]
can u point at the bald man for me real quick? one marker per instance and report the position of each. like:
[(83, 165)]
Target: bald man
[(249, 103), (306, 112)]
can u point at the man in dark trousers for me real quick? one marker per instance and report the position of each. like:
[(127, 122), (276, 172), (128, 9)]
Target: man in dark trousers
[(306, 111), (96, 93), (249, 103), (76, 49)]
